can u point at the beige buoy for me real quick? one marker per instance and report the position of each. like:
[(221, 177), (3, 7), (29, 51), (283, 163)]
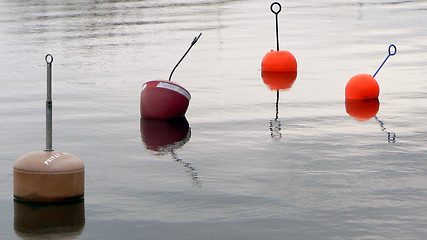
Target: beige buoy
[(48, 175)]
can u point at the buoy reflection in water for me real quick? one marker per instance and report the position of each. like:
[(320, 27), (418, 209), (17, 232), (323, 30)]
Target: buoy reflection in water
[(365, 109), (49, 220), (165, 136), (278, 81)]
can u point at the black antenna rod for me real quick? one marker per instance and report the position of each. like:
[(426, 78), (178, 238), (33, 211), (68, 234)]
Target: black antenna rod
[(192, 43), (277, 20)]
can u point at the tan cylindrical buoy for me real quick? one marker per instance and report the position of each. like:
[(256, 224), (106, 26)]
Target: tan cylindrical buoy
[(49, 221), (48, 176)]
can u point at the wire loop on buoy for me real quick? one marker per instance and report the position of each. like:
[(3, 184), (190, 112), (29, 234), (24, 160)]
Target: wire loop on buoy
[(272, 7), (277, 20), (389, 50), (390, 53), (48, 58)]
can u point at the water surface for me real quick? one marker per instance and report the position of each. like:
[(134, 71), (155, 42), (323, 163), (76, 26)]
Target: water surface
[(322, 175)]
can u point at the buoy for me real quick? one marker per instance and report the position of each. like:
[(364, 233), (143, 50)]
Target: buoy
[(279, 81), (49, 221), (164, 135), (279, 60), (165, 99), (362, 109), (48, 175), (364, 86)]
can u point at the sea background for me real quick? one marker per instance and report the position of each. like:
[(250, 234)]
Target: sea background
[(322, 175)]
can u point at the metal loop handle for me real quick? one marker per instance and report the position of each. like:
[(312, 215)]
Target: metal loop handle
[(390, 50), (272, 10), (48, 58)]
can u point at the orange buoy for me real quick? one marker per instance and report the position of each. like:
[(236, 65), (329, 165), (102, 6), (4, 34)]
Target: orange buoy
[(278, 81), (362, 86), (279, 61), (362, 109)]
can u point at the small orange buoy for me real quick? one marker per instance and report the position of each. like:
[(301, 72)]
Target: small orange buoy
[(362, 86), (278, 81), (279, 61), (362, 110)]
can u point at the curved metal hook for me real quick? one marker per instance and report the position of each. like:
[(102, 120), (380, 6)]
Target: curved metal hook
[(48, 58)]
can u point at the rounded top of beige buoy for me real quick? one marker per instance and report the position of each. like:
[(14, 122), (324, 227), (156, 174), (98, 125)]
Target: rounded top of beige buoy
[(48, 176), (48, 161)]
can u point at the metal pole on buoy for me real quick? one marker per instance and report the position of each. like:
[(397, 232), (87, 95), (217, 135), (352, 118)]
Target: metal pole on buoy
[(49, 60), (192, 44), (48, 175), (277, 20)]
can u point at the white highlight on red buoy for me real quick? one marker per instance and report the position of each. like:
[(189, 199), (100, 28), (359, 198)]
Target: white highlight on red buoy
[(174, 88)]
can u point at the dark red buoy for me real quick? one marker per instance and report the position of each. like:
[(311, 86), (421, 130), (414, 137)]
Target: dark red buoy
[(165, 99)]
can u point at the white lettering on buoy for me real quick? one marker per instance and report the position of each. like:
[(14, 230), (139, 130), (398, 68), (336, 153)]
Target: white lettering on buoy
[(174, 88), (51, 159)]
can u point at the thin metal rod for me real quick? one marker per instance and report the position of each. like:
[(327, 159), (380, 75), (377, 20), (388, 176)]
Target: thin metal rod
[(192, 43), (49, 60), (277, 21), (390, 53), (277, 106)]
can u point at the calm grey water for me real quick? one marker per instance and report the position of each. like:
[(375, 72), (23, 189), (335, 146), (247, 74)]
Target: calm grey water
[(322, 175)]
